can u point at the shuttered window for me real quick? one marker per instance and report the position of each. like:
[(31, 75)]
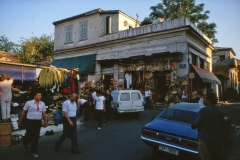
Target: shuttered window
[(83, 30), (68, 34)]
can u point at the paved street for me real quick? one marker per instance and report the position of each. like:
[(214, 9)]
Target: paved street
[(118, 140)]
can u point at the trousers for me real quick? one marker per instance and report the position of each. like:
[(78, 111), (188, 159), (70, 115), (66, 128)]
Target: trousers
[(5, 106), (32, 134), (210, 153), (69, 132), (98, 115)]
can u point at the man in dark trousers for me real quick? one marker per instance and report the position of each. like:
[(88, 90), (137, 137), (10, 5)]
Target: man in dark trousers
[(35, 110), (109, 106), (147, 98), (210, 121), (69, 108)]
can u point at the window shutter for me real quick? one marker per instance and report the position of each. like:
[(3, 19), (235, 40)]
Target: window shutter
[(70, 34), (81, 31), (86, 30), (110, 25), (104, 25)]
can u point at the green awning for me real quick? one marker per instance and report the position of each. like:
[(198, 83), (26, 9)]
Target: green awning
[(85, 64)]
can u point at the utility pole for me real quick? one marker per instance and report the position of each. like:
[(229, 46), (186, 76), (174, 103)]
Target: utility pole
[(137, 15)]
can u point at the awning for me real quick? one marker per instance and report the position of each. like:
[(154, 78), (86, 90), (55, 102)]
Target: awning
[(206, 76), (85, 64), (19, 73)]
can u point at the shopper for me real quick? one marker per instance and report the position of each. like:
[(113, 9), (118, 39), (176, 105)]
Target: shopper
[(5, 96), (109, 106), (147, 98), (84, 108), (210, 121), (35, 111), (99, 108), (69, 108)]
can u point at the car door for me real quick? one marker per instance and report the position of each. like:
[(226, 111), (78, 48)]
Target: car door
[(124, 101), (136, 99)]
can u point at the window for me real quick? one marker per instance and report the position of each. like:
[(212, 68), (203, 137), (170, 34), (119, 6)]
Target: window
[(201, 63), (136, 96), (68, 34), (194, 59), (130, 27), (125, 97), (207, 65), (222, 57), (83, 30), (178, 115), (108, 25)]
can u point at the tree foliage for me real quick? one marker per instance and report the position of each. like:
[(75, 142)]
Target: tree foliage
[(6, 45), (146, 21), (170, 9), (37, 49)]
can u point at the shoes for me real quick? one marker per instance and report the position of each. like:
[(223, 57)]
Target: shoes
[(35, 155), (75, 152), (99, 128), (56, 147)]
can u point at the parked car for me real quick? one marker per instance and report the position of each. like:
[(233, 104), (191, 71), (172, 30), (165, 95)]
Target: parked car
[(171, 130), (127, 101)]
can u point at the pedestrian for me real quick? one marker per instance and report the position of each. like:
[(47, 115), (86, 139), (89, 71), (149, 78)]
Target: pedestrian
[(147, 97), (5, 96), (35, 112), (210, 121), (201, 98), (69, 108), (109, 106), (99, 108), (84, 108)]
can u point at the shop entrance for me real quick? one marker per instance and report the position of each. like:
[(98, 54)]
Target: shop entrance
[(107, 81), (162, 82)]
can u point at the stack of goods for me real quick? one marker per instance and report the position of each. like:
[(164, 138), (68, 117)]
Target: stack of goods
[(50, 118), (14, 118)]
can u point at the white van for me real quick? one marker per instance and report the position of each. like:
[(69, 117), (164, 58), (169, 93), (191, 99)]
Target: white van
[(127, 101)]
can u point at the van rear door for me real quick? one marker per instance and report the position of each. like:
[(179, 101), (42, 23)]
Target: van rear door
[(125, 102), (136, 99)]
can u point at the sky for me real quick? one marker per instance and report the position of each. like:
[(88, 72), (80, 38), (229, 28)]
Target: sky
[(27, 18)]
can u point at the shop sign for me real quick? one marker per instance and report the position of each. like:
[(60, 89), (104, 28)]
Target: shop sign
[(191, 75), (182, 66)]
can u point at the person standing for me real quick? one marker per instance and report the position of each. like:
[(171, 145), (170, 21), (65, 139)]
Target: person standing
[(84, 109), (109, 105), (69, 108), (5, 96), (35, 111), (99, 108), (147, 98), (210, 121)]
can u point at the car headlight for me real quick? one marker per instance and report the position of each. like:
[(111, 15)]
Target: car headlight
[(149, 133)]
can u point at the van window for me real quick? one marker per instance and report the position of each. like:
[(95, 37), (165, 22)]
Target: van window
[(124, 97), (136, 96)]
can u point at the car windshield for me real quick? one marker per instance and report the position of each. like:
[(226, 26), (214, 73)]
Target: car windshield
[(178, 115)]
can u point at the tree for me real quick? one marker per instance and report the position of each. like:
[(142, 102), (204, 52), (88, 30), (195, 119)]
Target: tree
[(170, 9), (6, 45), (37, 49), (146, 21)]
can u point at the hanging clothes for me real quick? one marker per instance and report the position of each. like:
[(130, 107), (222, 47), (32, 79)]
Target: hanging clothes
[(127, 76)]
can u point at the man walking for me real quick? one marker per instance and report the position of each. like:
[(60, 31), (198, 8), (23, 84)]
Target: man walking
[(109, 106), (100, 108), (147, 98), (35, 110), (5, 96), (209, 122), (69, 108)]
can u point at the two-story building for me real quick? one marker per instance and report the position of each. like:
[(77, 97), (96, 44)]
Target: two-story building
[(107, 45), (225, 67)]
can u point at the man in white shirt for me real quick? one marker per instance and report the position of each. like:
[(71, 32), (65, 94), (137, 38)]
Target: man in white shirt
[(69, 108), (5, 96), (83, 108), (99, 108), (147, 98), (35, 111)]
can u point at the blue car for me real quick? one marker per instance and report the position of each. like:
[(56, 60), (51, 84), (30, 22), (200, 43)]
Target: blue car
[(171, 130)]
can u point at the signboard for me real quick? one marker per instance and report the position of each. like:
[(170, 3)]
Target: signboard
[(191, 75), (182, 66)]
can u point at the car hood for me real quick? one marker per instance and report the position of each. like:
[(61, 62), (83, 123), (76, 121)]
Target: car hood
[(172, 127)]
